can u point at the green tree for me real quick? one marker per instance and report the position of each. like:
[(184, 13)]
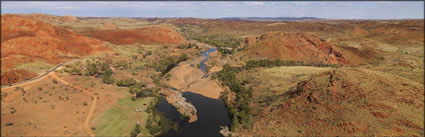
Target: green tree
[(155, 129), (107, 77), (126, 82), (54, 81), (148, 53), (235, 123), (136, 131), (76, 71), (149, 122), (91, 69)]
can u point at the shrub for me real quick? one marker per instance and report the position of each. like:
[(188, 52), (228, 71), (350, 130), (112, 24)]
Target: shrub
[(273, 63), (155, 129), (107, 77), (12, 110), (126, 82), (148, 110), (219, 40), (54, 81), (181, 46), (149, 122), (9, 124), (91, 69), (135, 131), (239, 109), (134, 57), (148, 53), (166, 64)]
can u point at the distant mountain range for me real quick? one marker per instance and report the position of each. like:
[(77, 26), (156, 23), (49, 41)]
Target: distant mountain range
[(271, 18)]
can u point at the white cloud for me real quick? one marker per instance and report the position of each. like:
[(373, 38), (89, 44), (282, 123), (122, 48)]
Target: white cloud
[(255, 3), (300, 3)]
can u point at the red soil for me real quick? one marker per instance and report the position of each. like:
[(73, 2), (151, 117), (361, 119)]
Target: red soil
[(340, 103), (29, 37), (294, 46), (145, 35), (69, 18), (16, 75)]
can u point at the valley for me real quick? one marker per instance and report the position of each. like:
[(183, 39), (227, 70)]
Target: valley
[(116, 76)]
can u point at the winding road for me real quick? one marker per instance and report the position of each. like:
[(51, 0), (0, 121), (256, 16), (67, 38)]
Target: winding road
[(53, 74), (36, 78), (93, 106)]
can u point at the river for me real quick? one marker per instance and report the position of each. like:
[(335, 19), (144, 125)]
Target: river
[(212, 113)]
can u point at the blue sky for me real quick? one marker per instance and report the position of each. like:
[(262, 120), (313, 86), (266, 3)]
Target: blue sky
[(217, 9)]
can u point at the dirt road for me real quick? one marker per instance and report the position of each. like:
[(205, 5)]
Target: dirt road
[(38, 78), (93, 106)]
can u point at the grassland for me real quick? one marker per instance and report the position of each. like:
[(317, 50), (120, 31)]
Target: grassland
[(277, 80), (36, 66), (120, 122)]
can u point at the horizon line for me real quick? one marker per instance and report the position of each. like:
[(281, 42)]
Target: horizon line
[(316, 18)]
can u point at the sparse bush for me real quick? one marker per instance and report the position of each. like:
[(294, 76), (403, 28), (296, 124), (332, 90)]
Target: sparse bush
[(213, 76), (12, 110), (148, 53), (149, 122), (107, 77), (181, 46), (224, 43), (167, 63), (134, 57), (126, 83), (135, 131), (155, 129), (167, 77), (239, 109), (9, 124), (55, 81), (148, 109), (274, 63)]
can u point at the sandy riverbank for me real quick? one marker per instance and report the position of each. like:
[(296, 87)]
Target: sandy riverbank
[(187, 77)]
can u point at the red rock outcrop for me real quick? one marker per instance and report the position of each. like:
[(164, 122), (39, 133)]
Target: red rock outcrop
[(145, 35), (307, 47)]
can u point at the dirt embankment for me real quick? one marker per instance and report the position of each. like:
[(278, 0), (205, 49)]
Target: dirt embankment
[(341, 103), (149, 35)]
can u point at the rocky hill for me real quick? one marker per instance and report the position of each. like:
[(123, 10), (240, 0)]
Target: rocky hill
[(146, 35), (26, 39), (341, 103), (306, 47)]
